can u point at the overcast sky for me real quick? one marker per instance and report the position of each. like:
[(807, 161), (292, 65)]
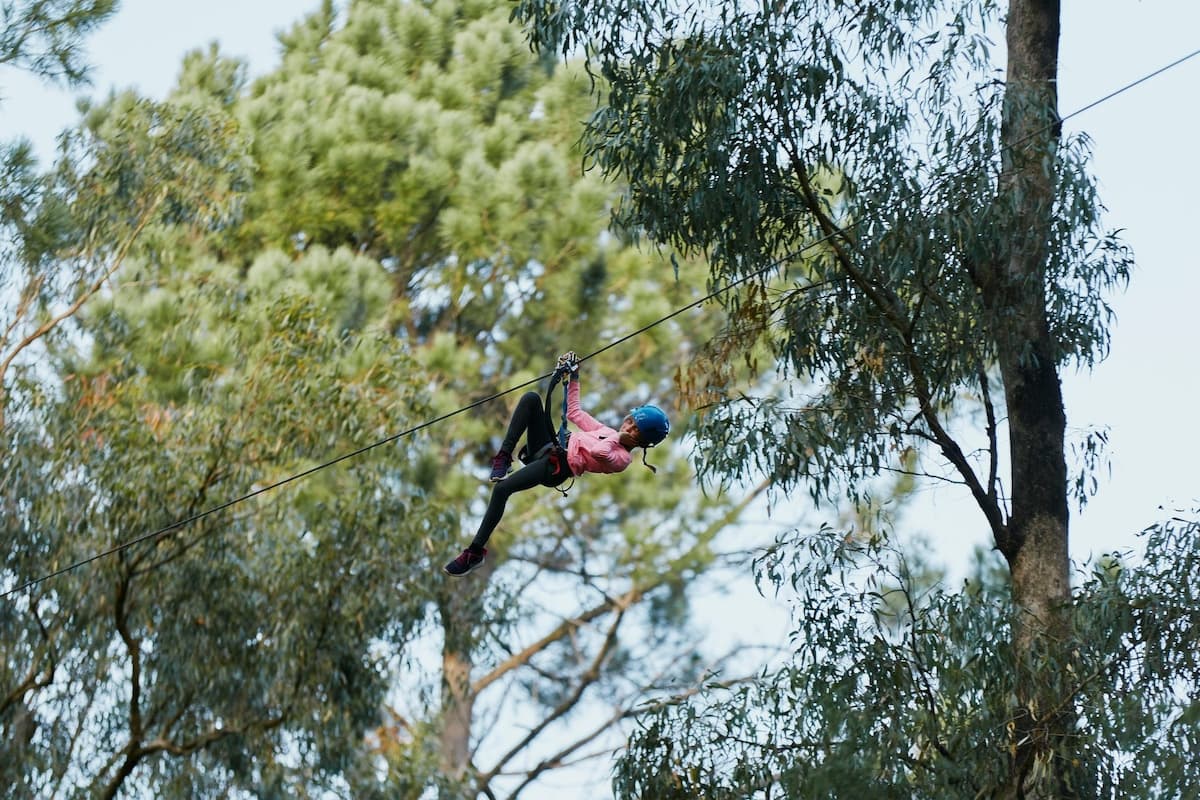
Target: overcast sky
[(1147, 165)]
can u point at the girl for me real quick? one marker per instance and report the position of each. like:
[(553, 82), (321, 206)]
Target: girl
[(593, 448)]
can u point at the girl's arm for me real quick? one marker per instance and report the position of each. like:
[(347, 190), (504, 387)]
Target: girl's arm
[(580, 418)]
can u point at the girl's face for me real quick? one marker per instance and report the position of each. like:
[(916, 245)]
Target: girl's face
[(630, 435)]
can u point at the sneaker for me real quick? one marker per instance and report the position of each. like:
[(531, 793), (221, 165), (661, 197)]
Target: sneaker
[(466, 561), (500, 465)]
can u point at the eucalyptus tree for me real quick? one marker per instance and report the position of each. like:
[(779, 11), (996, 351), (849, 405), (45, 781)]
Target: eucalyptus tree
[(899, 687), (157, 163), (948, 261), (66, 234), (186, 653), (250, 646)]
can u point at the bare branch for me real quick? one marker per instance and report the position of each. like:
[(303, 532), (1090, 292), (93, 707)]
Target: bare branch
[(993, 453), (563, 629), (587, 679), (28, 295), (623, 710), (625, 601)]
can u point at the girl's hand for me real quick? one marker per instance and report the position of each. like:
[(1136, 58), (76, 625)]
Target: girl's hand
[(568, 362)]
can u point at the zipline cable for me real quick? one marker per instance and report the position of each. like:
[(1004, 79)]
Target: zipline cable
[(429, 423), (394, 437), (263, 489), (1128, 86)]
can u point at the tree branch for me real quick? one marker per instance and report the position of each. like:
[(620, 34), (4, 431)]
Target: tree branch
[(563, 629), (623, 711), (625, 601), (993, 453), (587, 679), (36, 678), (133, 647), (931, 700), (888, 304)]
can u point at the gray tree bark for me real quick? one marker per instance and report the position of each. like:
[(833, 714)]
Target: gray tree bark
[(1037, 534)]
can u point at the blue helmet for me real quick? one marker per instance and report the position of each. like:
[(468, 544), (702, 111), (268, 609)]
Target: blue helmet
[(653, 425)]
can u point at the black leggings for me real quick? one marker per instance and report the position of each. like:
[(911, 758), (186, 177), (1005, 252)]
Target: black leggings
[(529, 418)]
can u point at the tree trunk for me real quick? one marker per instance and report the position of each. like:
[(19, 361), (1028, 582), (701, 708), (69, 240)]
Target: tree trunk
[(1036, 549), (458, 703), (461, 610)]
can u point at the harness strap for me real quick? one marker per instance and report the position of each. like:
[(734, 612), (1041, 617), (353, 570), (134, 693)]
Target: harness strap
[(558, 461), (558, 440), (563, 432)]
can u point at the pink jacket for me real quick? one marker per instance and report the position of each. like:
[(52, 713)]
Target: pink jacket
[(593, 447)]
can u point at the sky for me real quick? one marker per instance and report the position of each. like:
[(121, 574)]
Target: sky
[(1149, 171), (1145, 161)]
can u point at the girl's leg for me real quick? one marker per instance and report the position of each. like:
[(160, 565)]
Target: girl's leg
[(529, 418), (534, 474)]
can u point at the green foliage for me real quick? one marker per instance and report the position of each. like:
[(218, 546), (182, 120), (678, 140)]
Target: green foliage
[(253, 632), (1139, 666), (917, 246), (130, 167), (901, 689), (134, 163), (412, 135)]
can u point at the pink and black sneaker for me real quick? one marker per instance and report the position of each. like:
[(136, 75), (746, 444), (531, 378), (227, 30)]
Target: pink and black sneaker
[(500, 466), (466, 561)]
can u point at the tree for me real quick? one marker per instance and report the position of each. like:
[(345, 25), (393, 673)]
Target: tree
[(899, 687), (948, 259), (180, 674), (157, 163), (444, 151)]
